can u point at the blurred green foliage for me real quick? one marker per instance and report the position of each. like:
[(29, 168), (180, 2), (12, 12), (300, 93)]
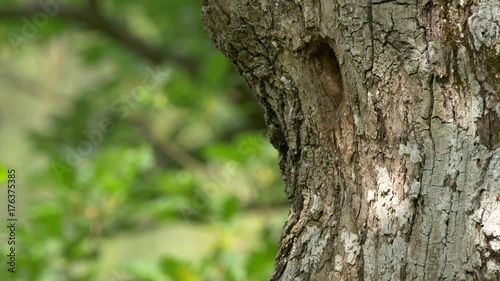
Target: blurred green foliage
[(147, 147)]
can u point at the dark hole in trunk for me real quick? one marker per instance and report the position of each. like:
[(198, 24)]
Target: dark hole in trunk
[(325, 76)]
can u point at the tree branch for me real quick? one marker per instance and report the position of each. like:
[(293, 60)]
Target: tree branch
[(93, 5), (92, 19)]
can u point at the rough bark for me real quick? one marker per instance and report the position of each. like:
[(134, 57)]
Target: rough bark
[(386, 117)]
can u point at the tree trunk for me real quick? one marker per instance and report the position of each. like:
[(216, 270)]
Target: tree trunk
[(386, 118)]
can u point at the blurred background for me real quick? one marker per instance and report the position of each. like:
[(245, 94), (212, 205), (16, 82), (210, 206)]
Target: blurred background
[(140, 154)]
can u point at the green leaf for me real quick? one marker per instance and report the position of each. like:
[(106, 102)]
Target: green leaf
[(215, 69), (230, 208), (48, 218), (224, 152), (4, 175), (146, 271), (178, 270)]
